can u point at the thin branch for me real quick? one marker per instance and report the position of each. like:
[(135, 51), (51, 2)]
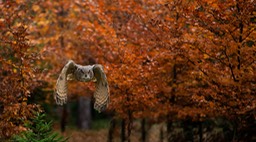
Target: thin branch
[(230, 32), (212, 56), (201, 70), (248, 34), (230, 65)]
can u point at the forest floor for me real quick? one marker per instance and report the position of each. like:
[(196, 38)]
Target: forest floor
[(87, 136), (101, 134)]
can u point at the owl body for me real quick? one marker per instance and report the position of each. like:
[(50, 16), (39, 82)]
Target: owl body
[(73, 71)]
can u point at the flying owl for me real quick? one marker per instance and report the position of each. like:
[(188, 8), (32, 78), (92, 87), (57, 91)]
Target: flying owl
[(73, 71)]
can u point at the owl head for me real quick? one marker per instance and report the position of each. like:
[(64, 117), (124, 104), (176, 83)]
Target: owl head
[(84, 73)]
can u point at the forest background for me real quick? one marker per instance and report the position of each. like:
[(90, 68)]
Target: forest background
[(185, 65)]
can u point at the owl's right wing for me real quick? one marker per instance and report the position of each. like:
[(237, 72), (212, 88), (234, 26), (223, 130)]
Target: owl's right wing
[(61, 91)]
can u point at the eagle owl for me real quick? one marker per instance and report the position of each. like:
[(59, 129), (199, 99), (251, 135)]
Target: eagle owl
[(73, 71)]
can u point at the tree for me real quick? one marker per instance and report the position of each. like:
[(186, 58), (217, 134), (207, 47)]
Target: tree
[(39, 130), (221, 35), (18, 72)]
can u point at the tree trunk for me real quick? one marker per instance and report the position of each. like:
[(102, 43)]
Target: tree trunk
[(123, 137), (171, 100), (161, 135), (129, 127), (111, 130), (143, 130), (200, 132), (84, 113), (64, 116), (234, 131), (188, 130), (169, 129)]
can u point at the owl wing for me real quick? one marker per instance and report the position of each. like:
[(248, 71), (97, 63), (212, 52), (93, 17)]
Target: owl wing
[(61, 91), (101, 93)]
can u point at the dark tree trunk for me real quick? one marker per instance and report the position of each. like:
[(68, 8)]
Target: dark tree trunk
[(130, 118), (2, 107), (111, 130), (129, 130), (84, 113), (235, 137), (161, 136), (123, 137), (171, 100), (143, 130), (200, 132), (169, 129), (64, 116), (188, 130), (129, 126)]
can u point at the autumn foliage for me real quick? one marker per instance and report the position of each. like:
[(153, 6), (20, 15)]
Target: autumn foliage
[(18, 70), (165, 60)]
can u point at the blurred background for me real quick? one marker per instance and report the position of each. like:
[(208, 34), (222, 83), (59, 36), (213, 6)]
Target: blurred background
[(178, 70)]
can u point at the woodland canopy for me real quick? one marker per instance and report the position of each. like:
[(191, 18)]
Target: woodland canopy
[(166, 61)]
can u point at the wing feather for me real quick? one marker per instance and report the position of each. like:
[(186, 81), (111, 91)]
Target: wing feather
[(61, 91), (101, 93)]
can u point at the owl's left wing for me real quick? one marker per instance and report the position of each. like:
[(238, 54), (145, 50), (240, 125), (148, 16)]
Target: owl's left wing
[(101, 93)]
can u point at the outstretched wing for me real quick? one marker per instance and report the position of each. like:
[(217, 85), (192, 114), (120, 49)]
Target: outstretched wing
[(101, 93), (61, 91)]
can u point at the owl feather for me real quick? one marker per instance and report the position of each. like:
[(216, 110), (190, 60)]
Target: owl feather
[(73, 71)]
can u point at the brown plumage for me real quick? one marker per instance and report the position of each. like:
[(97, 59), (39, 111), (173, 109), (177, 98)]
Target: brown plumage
[(73, 71)]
